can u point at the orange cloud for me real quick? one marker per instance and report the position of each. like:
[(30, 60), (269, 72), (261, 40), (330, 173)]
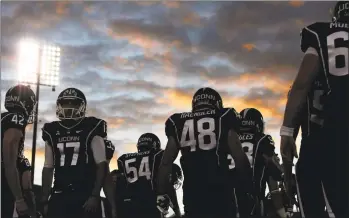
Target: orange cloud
[(192, 19), (114, 122), (249, 46), (62, 8), (172, 4), (296, 3)]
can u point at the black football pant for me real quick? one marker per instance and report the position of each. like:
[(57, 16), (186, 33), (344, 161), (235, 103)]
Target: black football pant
[(244, 204), (69, 204), (336, 168), (7, 199), (309, 179)]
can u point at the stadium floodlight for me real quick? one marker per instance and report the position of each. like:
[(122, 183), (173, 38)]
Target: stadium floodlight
[(38, 64), (35, 58)]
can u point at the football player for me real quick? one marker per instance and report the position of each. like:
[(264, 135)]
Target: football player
[(204, 136), (109, 148), (75, 151), (260, 150), (326, 46), (308, 174), (20, 103), (139, 169)]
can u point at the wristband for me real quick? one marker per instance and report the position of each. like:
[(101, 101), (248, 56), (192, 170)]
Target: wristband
[(286, 131)]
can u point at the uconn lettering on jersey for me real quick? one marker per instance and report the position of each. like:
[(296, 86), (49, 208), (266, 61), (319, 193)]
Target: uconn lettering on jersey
[(69, 139), (198, 114)]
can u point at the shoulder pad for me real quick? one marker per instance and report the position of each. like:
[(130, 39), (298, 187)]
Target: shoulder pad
[(47, 132), (100, 126), (231, 119), (310, 35), (14, 120)]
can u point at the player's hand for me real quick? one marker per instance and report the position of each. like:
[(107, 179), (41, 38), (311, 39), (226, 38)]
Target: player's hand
[(91, 204), (288, 148), (163, 203), (22, 207)]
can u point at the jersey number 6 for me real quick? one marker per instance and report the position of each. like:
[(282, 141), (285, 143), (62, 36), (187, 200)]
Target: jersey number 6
[(338, 56), (144, 169), (188, 129)]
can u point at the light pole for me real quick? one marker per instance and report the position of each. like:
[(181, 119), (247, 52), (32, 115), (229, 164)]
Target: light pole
[(38, 64)]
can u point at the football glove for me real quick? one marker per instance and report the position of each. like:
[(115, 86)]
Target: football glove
[(163, 203)]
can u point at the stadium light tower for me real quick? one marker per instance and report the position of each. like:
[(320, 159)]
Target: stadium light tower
[(38, 64)]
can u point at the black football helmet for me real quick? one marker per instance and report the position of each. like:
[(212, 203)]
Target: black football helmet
[(206, 98), (341, 11), (21, 99), (148, 141), (252, 119), (71, 104)]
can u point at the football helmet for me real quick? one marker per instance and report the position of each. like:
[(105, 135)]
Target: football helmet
[(21, 99), (206, 98), (71, 104), (252, 119), (148, 141), (341, 11)]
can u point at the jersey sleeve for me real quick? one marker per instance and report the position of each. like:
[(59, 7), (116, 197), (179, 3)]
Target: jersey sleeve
[(309, 38), (121, 166), (46, 135), (170, 127), (23, 164), (231, 119), (109, 149), (14, 120), (268, 146), (101, 128)]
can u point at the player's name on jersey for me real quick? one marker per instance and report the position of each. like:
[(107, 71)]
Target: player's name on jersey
[(138, 154), (69, 139), (197, 114), (246, 137), (338, 24)]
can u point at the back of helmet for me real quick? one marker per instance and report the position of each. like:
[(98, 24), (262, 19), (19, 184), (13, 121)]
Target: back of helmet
[(206, 98), (252, 120), (341, 12), (148, 141), (21, 99)]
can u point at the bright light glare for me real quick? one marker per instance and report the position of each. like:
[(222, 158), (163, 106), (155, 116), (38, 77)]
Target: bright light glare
[(28, 58), (28, 62)]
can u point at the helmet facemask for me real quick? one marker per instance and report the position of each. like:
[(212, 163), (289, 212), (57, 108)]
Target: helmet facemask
[(70, 108)]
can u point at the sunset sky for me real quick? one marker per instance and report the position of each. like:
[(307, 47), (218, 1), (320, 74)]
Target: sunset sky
[(139, 62)]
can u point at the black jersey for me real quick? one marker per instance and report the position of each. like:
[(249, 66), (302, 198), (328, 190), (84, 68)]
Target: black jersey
[(73, 159), (13, 120), (140, 171), (202, 138), (331, 41), (255, 146), (109, 149), (311, 115)]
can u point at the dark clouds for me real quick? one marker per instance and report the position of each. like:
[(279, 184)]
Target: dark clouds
[(137, 62)]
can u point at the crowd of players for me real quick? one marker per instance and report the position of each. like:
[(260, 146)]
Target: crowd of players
[(226, 158)]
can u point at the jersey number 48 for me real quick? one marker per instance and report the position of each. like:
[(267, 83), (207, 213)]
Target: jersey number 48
[(202, 130)]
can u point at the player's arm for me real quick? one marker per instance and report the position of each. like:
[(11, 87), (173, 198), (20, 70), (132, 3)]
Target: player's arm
[(47, 173), (276, 197), (11, 142), (25, 170), (165, 169), (173, 196), (98, 151), (306, 75)]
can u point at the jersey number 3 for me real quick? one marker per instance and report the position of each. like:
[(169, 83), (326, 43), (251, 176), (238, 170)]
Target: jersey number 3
[(188, 129), (144, 169), (338, 56)]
